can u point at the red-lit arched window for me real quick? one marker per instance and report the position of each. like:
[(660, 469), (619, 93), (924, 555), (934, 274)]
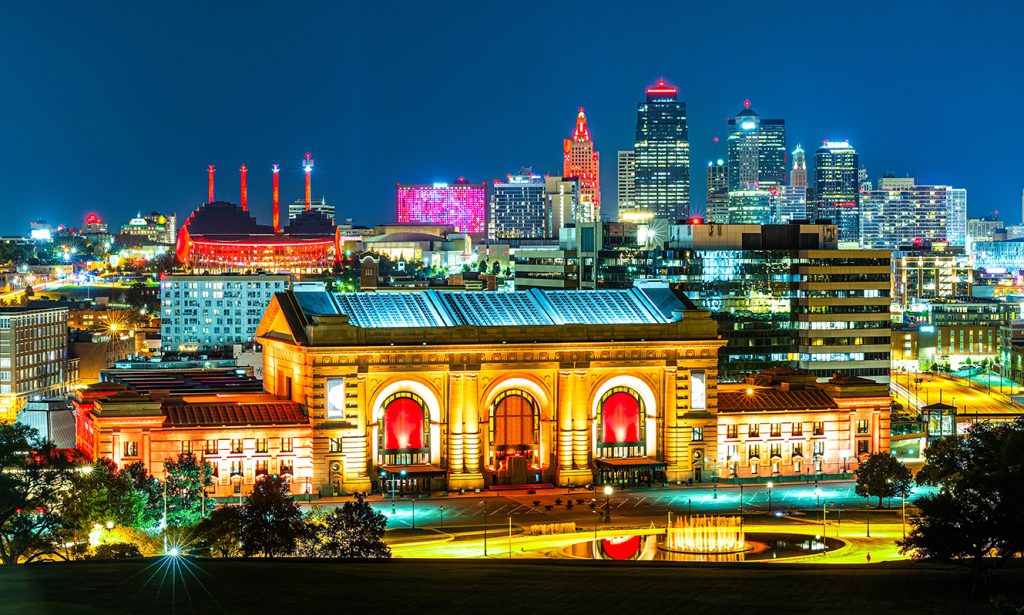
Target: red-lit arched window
[(404, 424), (621, 427), (621, 417)]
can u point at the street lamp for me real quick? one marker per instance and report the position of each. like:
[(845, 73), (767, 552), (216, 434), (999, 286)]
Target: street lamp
[(442, 518), (741, 498), (607, 503), (770, 486), (414, 513), (510, 535), (824, 510), (484, 502)]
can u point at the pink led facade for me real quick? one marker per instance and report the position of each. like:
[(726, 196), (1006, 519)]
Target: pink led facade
[(461, 205)]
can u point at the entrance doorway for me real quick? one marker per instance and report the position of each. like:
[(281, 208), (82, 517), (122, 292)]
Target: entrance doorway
[(514, 439)]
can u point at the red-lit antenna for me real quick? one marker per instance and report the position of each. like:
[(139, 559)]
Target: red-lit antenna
[(277, 199), (244, 191), (210, 170), (746, 104), (307, 166)]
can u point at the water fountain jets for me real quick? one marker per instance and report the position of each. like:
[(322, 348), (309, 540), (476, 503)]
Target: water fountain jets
[(706, 535)]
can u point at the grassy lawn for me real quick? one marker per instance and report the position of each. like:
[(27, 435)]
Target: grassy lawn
[(492, 586)]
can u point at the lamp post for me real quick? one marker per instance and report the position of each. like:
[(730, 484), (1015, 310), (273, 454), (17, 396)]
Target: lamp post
[(607, 503), (770, 486), (510, 536), (867, 513), (414, 513), (741, 498), (714, 478), (484, 502), (442, 518), (903, 498), (824, 512)]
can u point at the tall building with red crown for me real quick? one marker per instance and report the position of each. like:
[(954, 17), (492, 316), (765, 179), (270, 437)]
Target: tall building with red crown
[(581, 160)]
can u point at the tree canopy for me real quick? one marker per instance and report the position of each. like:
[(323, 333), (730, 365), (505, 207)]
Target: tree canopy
[(355, 530), (271, 521), (883, 476), (977, 516)]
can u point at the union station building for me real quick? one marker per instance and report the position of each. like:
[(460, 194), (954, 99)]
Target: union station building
[(465, 390)]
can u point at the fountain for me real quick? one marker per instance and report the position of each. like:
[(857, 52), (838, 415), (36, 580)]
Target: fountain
[(705, 535)]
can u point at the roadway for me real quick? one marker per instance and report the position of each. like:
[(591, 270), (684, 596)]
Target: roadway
[(969, 397), (631, 507)]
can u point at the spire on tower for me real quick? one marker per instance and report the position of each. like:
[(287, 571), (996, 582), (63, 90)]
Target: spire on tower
[(581, 133)]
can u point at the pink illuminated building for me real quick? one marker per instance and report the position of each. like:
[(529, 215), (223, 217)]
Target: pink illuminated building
[(460, 204), (581, 160)]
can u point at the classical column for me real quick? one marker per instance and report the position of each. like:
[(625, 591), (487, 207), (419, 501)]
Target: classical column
[(564, 420), (456, 461), (671, 440), (580, 424), (471, 421), (360, 461)]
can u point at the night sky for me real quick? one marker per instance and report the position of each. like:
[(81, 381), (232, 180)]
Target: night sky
[(117, 107)]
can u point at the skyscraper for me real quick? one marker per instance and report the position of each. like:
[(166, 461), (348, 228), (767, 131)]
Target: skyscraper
[(757, 151), (519, 207), (836, 177), (563, 202), (581, 160), (461, 205), (789, 203), (717, 186), (662, 155), (798, 176), (627, 182), (901, 213)]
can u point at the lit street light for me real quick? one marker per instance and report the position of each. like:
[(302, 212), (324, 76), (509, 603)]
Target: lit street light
[(442, 518), (770, 485), (607, 503)]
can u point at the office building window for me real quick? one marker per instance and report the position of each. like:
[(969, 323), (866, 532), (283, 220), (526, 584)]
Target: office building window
[(698, 434)]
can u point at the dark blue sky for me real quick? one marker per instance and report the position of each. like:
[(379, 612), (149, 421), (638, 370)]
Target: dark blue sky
[(116, 107)]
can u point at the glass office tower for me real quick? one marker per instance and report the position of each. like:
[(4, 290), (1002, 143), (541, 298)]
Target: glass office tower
[(661, 156)]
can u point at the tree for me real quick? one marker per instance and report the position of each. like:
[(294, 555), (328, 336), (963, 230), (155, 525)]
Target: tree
[(353, 531), (977, 516), (186, 483), (883, 476), (221, 532), (33, 476), (482, 266), (271, 521), (153, 490), (29, 291), (117, 550), (496, 268)]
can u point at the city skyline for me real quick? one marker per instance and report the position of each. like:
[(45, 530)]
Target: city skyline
[(150, 131)]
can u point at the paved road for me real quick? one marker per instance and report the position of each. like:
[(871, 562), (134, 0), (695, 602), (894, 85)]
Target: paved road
[(968, 397), (639, 506)]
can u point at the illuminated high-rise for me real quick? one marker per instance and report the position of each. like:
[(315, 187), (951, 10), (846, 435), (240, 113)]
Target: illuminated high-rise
[(461, 205), (581, 160), (798, 175), (662, 156), (836, 185), (519, 207), (757, 151), (627, 181), (717, 185)]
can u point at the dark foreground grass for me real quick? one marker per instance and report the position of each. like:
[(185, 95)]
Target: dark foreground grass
[(493, 586)]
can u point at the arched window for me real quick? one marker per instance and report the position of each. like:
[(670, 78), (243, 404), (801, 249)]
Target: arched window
[(404, 430), (514, 438), (622, 423)]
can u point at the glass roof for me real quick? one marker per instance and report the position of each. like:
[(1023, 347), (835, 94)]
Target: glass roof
[(429, 308)]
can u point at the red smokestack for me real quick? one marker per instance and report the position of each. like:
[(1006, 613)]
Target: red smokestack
[(209, 182), (245, 190), (307, 166), (277, 199)]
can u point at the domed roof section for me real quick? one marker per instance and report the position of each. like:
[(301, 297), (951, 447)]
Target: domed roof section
[(311, 222), (224, 218)]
